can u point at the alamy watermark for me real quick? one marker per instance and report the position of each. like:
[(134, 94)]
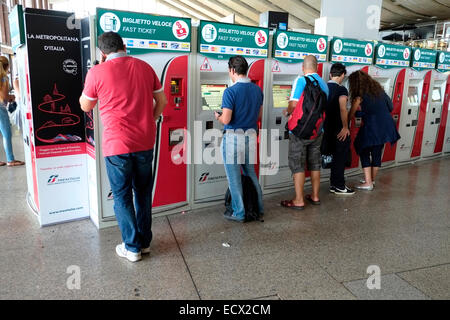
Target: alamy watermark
[(74, 280), (214, 146), (374, 280)]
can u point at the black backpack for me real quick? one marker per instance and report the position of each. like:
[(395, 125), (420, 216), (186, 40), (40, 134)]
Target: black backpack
[(307, 118), (250, 201)]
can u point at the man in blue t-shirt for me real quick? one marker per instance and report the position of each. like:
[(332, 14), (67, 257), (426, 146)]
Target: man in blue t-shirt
[(304, 153), (241, 109)]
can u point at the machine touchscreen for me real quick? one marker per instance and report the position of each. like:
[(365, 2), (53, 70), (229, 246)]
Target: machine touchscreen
[(436, 97), (212, 96), (413, 95), (281, 95)]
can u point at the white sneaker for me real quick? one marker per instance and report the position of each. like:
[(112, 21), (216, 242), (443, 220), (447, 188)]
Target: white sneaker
[(362, 181), (145, 250), (124, 253), (368, 188)]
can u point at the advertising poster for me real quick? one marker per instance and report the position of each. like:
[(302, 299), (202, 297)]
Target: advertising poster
[(350, 51), (293, 47), (392, 56), (55, 78), (222, 40)]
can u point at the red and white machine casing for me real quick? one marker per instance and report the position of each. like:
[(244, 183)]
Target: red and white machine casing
[(279, 73), (436, 115), (170, 178), (443, 140), (412, 119), (209, 180), (393, 82)]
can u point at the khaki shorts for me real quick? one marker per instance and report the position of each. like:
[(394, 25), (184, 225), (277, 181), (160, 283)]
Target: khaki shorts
[(304, 152)]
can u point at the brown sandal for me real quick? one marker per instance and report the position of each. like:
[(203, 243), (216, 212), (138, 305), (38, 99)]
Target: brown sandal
[(15, 163), (2, 163), (290, 204)]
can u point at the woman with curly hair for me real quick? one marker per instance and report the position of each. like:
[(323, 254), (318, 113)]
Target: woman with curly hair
[(378, 127)]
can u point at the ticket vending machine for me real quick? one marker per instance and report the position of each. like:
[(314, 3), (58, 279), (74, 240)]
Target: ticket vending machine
[(445, 142), (285, 66), (436, 116), (217, 42), (391, 64), (165, 43), (412, 118), (443, 139), (355, 55), (443, 136)]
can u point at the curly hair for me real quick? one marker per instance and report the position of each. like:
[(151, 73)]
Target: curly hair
[(361, 83)]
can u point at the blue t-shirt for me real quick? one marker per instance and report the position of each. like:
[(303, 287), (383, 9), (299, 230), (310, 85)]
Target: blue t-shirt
[(300, 84), (245, 99)]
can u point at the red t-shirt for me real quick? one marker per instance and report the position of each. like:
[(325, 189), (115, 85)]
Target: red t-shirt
[(124, 87)]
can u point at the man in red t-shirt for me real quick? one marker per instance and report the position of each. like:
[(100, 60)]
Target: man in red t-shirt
[(125, 89)]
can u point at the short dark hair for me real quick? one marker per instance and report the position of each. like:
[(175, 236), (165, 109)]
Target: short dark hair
[(239, 64), (337, 69), (110, 42)]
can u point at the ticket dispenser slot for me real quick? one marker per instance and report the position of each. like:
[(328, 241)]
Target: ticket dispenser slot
[(176, 136), (278, 120), (176, 91)]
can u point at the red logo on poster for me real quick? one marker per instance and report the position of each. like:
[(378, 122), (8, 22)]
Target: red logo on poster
[(261, 38), (206, 66), (181, 31), (368, 49)]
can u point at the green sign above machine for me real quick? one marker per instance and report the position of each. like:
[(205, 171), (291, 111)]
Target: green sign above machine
[(16, 27), (349, 51), (293, 47), (392, 56), (443, 61), (144, 33), (222, 40), (423, 59)]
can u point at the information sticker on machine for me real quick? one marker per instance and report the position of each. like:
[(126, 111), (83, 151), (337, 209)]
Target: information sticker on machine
[(443, 61), (222, 40), (392, 56), (143, 33), (423, 59), (293, 47), (350, 51)]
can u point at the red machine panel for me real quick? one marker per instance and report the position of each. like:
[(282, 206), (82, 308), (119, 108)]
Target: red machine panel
[(397, 100), (417, 147), (442, 127), (170, 177), (256, 75)]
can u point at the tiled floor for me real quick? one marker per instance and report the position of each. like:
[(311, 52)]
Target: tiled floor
[(403, 227)]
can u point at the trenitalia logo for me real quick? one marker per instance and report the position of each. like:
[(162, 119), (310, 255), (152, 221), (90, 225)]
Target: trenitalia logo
[(52, 179), (204, 177)]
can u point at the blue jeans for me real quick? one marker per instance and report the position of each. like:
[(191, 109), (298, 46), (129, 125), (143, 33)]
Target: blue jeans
[(236, 156), (127, 173), (5, 129)]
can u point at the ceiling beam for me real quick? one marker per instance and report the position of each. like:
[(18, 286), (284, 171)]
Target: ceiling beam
[(181, 11), (225, 11), (197, 5), (187, 9)]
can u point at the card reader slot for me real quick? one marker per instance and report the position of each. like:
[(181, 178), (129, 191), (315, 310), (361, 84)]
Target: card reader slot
[(278, 121)]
